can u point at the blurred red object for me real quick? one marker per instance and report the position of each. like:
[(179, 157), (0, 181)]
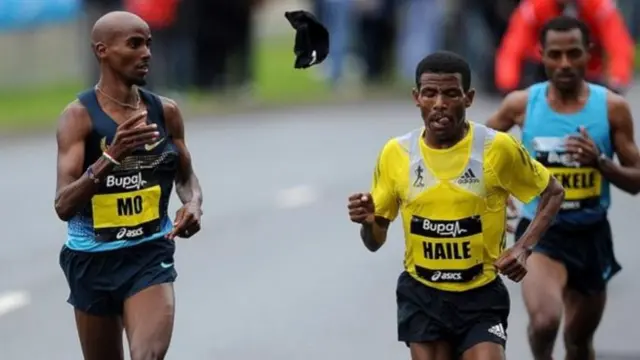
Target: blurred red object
[(611, 58), (157, 13)]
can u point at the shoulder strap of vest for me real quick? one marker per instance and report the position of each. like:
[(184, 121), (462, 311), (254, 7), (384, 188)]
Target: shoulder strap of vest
[(156, 110), (478, 142), (481, 135), (88, 99), (414, 143)]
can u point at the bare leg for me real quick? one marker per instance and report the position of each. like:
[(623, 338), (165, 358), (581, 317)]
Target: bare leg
[(100, 337), (582, 317), (485, 351), (437, 350), (542, 289), (148, 320)]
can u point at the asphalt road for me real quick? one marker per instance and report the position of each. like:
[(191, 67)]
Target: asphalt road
[(278, 273)]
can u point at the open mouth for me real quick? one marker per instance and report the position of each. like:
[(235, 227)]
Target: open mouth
[(440, 122), (144, 68)]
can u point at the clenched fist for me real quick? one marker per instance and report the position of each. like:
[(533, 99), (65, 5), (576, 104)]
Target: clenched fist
[(512, 263), (361, 208)]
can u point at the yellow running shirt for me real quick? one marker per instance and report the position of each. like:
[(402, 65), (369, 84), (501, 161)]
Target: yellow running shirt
[(453, 202)]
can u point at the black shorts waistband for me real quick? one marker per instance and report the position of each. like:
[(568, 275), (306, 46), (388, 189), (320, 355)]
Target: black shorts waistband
[(571, 227)]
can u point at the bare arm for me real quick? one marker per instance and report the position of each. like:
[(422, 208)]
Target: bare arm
[(511, 112), (376, 210), (550, 202), (73, 189), (374, 234), (187, 184), (625, 175)]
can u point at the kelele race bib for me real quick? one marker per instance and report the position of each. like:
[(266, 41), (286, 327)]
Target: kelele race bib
[(127, 215), (582, 185)]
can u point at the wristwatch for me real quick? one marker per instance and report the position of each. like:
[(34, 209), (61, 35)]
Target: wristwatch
[(92, 175), (602, 158)]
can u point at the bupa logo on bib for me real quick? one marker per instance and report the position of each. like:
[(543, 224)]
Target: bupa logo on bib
[(132, 182), (444, 229)]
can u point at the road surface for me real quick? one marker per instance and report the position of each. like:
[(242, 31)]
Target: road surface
[(278, 273)]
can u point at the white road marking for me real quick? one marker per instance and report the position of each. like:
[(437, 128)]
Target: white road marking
[(12, 301), (297, 196)]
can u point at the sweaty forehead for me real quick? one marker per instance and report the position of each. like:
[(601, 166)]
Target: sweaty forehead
[(559, 39), (117, 25), (132, 29), (441, 80)]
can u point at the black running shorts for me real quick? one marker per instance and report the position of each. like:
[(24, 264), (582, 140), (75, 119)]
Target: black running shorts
[(463, 319), (586, 251), (100, 282)]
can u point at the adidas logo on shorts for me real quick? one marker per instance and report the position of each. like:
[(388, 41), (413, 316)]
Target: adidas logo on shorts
[(498, 330)]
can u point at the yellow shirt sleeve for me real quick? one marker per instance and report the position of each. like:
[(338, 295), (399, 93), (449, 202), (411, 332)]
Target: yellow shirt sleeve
[(383, 188), (517, 172)]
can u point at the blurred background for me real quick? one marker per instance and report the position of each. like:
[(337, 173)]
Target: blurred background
[(214, 54), (278, 272)]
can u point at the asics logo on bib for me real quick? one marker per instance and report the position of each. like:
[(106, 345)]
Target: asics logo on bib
[(129, 233), (446, 276), (133, 182)]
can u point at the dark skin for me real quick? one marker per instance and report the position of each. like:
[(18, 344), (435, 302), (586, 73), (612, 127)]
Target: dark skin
[(545, 289), (443, 101), (121, 42)]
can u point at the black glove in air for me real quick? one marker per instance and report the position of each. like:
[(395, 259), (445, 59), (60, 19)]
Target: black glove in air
[(312, 39)]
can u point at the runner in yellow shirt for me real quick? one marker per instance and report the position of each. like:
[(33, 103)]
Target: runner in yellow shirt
[(450, 180)]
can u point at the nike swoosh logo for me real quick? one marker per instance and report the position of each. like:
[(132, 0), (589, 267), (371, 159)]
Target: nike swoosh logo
[(103, 144), (150, 147), (165, 265)]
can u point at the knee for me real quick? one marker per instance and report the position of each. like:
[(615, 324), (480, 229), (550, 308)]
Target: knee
[(545, 323), (148, 351)]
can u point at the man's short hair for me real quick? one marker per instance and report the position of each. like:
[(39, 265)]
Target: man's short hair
[(445, 62), (565, 23)]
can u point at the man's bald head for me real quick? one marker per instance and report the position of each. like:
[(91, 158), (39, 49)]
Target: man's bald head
[(121, 44), (116, 23)]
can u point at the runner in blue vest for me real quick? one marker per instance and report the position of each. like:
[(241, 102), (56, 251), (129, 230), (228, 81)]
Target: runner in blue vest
[(574, 128), (121, 149)]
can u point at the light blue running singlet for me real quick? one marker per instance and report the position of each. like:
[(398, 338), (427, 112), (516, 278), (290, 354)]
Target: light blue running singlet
[(587, 192)]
